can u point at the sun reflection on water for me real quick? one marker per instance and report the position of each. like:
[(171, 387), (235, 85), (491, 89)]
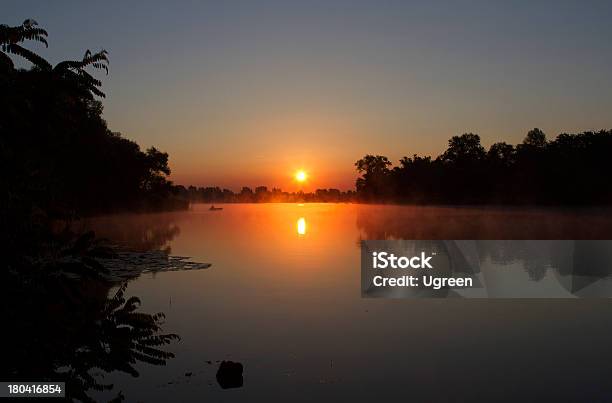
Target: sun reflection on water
[(301, 226)]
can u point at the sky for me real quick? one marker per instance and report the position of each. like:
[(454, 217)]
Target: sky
[(247, 92)]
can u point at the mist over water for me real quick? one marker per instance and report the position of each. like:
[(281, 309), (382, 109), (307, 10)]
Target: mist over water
[(282, 298)]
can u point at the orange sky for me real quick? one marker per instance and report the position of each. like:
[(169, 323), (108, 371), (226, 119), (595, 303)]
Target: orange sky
[(243, 94), (271, 154)]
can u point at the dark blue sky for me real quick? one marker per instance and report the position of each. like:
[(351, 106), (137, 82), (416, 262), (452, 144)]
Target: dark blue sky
[(246, 92)]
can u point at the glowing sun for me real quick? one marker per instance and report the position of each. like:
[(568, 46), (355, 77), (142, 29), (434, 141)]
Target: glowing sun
[(300, 176)]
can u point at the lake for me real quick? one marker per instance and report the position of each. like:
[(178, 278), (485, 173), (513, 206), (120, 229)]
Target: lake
[(282, 298)]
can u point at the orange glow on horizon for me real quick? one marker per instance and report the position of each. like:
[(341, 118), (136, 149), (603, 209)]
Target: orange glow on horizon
[(273, 174)]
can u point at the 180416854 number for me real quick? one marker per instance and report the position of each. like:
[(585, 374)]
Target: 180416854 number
[(32, 389)]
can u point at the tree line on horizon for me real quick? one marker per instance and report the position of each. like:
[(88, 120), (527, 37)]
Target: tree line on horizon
[(569, 170), (572, 169), (261, 194)]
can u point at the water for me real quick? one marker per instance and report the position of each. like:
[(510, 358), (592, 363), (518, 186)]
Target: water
[(282, 297)]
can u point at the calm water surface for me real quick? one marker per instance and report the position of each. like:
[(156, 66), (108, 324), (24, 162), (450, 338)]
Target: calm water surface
[(282, 297)]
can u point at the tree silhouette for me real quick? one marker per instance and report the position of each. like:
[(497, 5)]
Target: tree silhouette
[(12, 37), (535, 138), (537, 171), (463, 150), (74, 71), (59, 160), (56, 148), (501, 154), (374, 182)]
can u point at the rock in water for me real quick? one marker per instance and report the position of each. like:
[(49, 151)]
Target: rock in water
[(229, 375)]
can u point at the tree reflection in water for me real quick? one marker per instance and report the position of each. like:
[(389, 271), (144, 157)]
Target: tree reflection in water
[(63, 328), (572, 244)]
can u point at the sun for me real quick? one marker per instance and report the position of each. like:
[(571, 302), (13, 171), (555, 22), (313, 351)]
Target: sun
[(300, 176)]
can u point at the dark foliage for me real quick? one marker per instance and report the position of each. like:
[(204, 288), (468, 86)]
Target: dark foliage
[(56, 151), (59, 160), (570, 170), (63, 329)]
